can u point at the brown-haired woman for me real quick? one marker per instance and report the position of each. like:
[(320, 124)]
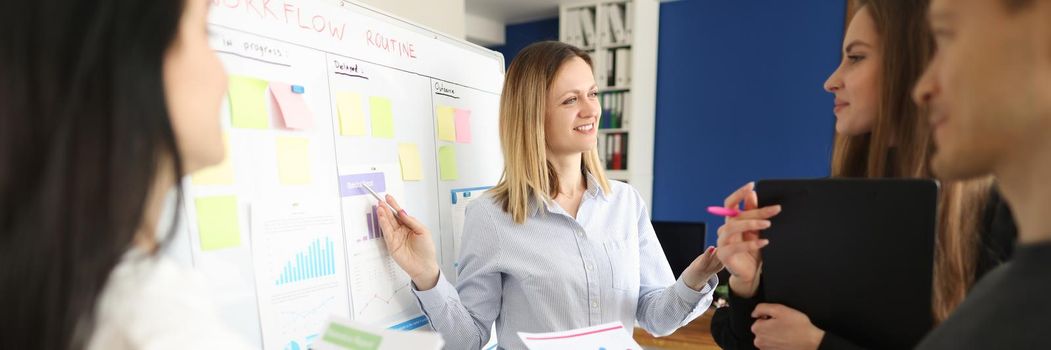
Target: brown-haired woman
[(554, 246), (880, 134)]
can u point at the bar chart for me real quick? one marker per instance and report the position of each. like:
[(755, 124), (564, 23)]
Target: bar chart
[(373, 222), (317, 260)]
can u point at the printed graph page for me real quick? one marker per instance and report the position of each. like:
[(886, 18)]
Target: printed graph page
[(299, 268)]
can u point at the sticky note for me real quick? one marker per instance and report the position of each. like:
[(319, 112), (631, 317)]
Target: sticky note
[(409, 155), (446, 124), (248, 103), (447, 163), (218, 224), (293, 160), (351, 114), (382, 117), (463, 125), (292, 108), (219, 174)]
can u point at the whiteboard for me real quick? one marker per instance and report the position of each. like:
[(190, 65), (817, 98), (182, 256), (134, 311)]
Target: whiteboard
[(324, 96)]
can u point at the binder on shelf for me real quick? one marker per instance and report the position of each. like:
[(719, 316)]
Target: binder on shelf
[(613, 150), (610, 66), (624, 152), (621, 99), (629, 23), (599, 71), (602, 152), (602, 25), (573, 30), (615, 109), (623, 65), (626, 116), (607, 109), (587, 24), (620, 109), (616, 20)]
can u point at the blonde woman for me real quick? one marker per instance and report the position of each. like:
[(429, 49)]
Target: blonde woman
[(555, 245)]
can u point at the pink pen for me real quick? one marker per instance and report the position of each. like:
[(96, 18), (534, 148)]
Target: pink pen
[(723, 211)]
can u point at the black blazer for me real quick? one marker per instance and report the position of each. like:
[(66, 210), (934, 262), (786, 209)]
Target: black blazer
[(732, 325)]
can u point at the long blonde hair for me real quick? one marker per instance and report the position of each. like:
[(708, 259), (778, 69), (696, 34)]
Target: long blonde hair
[(528, 176), (900, 145)]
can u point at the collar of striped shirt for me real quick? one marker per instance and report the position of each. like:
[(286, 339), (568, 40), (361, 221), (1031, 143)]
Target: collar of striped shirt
[(593, 191)]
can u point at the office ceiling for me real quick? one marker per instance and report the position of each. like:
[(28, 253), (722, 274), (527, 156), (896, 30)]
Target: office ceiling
[(513, 11)]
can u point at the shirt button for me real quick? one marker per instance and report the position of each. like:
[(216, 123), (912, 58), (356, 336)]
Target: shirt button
[(580, 233), (590, 267), (594, 304)]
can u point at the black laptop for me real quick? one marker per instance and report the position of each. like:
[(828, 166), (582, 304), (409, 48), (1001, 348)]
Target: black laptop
[(855, 255)]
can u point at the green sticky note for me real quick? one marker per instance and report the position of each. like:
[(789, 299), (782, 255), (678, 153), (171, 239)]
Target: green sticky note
[(248, 103), (351, 114), (217, 222), (382, 117), (447, 163), (446, 124), (350, 338)]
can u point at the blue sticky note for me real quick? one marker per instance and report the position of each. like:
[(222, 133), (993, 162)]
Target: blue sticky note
[(298, 89)]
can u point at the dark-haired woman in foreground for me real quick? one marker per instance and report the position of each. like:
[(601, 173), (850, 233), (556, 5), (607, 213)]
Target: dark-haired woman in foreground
[(104, 106)]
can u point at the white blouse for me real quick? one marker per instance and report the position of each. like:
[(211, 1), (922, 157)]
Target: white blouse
[(154, 303)]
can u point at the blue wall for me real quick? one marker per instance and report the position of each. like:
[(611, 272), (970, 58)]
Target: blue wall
[(518, 36), (740, 98)]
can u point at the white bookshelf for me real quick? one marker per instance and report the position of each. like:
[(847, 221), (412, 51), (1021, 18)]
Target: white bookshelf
[(640, 99)]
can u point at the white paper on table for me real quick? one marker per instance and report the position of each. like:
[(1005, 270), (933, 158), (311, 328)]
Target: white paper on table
[(343, 334), (609, 336)]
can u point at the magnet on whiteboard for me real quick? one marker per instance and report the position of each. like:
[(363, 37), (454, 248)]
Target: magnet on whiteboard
[(298, 89)]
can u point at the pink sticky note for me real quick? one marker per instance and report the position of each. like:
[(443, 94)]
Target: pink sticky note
[(463, 125), (292, 109)]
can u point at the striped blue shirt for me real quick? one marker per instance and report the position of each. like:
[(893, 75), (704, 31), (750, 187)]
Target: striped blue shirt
[(556, 273)]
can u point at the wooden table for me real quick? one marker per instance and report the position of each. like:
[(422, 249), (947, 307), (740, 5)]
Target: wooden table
[(694, 336)]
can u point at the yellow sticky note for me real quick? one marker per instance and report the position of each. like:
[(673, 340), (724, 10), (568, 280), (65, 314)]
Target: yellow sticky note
[(446, 124), (447, 163), (293, 160), (351, 114), (248, 103), (217, 222), (382, 117), (409, 155), (219, 174)]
